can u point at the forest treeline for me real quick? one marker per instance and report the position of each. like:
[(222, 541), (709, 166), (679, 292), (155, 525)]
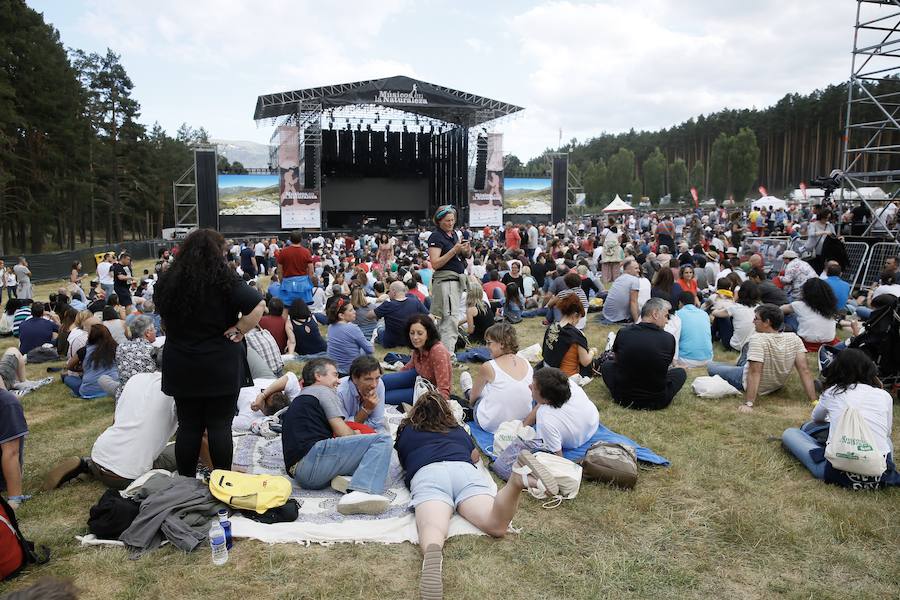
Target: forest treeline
[(727, 153), (75, 160)]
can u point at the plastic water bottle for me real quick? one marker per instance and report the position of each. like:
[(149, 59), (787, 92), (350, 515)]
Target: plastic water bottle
[(217, 543)]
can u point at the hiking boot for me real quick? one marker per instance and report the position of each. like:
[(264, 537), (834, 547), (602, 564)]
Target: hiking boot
[(361, 503), (341, 483), (431, 585), (67, 469)]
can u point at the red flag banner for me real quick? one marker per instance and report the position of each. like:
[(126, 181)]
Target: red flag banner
[(695, 196), (762, 191), (803, 189)]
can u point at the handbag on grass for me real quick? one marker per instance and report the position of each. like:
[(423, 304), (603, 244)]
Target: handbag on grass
[(611, 462)]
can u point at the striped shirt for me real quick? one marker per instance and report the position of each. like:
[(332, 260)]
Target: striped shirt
[(777, 353), (265, 345), (21, 314)]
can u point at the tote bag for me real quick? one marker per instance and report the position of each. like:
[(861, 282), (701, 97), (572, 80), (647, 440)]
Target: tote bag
[(851, 446)]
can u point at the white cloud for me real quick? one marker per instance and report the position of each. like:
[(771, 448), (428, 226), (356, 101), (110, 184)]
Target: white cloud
[(652, 64)]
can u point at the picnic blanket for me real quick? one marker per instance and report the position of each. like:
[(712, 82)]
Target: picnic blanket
[(485, 441), (319, 521)]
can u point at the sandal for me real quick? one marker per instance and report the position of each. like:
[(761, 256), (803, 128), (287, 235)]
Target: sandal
[(431, 585), (546, 482)]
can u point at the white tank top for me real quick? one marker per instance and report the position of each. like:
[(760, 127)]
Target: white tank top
[(504, 399)]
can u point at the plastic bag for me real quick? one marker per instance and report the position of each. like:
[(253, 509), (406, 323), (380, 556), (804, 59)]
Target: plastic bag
[(713, 387)]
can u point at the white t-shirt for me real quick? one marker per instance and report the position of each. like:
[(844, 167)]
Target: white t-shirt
[(503, 399), (742, 320), (875, 406), (893, 289), (813, 327), (104, 275), (259, 249), (570, 425), (144, 421), (246, 416)]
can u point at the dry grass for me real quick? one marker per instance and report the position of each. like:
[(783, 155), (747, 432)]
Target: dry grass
[(733, 517)]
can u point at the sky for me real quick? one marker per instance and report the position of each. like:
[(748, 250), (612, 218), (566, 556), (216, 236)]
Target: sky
[(582, 68)]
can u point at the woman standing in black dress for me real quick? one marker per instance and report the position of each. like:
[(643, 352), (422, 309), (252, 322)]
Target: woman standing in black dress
[(206, 309)]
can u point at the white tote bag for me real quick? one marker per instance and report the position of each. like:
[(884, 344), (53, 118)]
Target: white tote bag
[(422, 387), (509, 431), (851, 446), (567, 473)]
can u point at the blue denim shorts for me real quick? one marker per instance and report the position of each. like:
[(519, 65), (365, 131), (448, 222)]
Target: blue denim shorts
[(451, 482)]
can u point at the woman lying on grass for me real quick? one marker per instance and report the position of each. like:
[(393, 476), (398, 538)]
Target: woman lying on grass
[(439, 458)]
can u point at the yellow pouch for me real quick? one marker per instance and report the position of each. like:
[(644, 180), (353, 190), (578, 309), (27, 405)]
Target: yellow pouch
[(250, 492)]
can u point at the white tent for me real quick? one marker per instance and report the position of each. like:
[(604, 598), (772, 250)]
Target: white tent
[(618, 205), (767, 202)]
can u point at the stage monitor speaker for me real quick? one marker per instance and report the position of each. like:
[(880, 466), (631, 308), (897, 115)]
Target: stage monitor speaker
[(207, 187), (480, 162), (559, 188)]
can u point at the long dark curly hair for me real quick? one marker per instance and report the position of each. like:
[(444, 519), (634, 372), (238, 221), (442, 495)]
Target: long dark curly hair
[(198, 276), (819, 296)]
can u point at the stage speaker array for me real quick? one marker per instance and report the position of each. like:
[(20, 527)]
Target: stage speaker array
[(360, 153), (207, 188), (480, 162)]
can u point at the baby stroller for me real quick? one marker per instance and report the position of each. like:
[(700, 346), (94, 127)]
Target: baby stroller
[(880, 341)]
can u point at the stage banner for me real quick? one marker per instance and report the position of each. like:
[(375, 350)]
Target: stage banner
[(486, 206), (299, 208)]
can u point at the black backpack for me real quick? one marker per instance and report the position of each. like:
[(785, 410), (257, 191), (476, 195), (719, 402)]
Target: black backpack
[(15, 551)]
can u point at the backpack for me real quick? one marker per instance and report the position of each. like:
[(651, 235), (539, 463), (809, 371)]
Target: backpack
[(15, 551), (851, 446), (249, 492), (611, 462)]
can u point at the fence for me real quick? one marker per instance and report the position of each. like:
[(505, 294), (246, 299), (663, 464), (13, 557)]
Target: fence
[(877, 255), (58, 265)]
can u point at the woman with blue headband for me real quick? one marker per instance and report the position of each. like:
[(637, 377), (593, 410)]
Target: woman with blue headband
[(447, 251)]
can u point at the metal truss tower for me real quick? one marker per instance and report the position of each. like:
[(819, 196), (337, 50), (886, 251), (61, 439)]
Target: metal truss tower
[(872, 131)]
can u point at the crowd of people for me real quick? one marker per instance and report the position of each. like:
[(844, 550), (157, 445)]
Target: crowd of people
[(175, 347)]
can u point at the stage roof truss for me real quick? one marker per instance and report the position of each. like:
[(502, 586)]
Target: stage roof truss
[(400, 93)]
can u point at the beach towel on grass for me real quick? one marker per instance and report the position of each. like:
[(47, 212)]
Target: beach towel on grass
[(319, 520), (485, 442)]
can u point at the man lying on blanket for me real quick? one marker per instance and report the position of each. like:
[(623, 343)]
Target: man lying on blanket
[(320, 448), (563, 416)]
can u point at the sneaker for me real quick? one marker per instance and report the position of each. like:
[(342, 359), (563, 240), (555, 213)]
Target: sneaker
[(465, 381), (431, 585), (341, 483), (361, 503), (66, 470)]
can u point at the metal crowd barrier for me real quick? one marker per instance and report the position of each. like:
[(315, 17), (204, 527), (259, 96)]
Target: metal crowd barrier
[(877, 255)]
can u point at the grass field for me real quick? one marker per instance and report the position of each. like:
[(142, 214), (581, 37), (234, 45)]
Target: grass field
[(733, 517)]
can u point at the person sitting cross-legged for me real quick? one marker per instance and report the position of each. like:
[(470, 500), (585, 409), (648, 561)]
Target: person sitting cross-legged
[(771, 356), (320, 447), (695, 340), (639, 376), (438, 457), (136, 441), (850, 380)]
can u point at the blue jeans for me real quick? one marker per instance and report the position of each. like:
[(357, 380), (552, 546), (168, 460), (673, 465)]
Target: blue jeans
[(535, 312), (366, 457), (107, 289), (799, 443), (73, 382), (732, 374), (863, 312), (399, 386), (723, 329)]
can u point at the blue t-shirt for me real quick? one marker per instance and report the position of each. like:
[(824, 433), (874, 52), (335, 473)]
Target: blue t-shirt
[(417, 449), (841, 290), (34, 332), (396, 313), (695, 342), (12, 427)]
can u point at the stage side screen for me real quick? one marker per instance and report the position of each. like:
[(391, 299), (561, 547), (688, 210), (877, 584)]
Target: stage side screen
[(246, 195), (486, 205), (526, 196)]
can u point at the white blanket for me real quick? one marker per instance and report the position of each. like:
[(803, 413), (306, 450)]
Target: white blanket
[(319, 520)]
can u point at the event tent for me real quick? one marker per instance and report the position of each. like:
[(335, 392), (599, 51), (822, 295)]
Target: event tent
[(769, 202), (618, 205)]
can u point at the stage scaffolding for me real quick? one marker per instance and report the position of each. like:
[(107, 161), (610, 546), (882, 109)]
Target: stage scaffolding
[(872, 128)]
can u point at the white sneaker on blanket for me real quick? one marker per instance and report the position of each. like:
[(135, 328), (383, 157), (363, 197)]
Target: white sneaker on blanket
[(341, 483), (361, 503)]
